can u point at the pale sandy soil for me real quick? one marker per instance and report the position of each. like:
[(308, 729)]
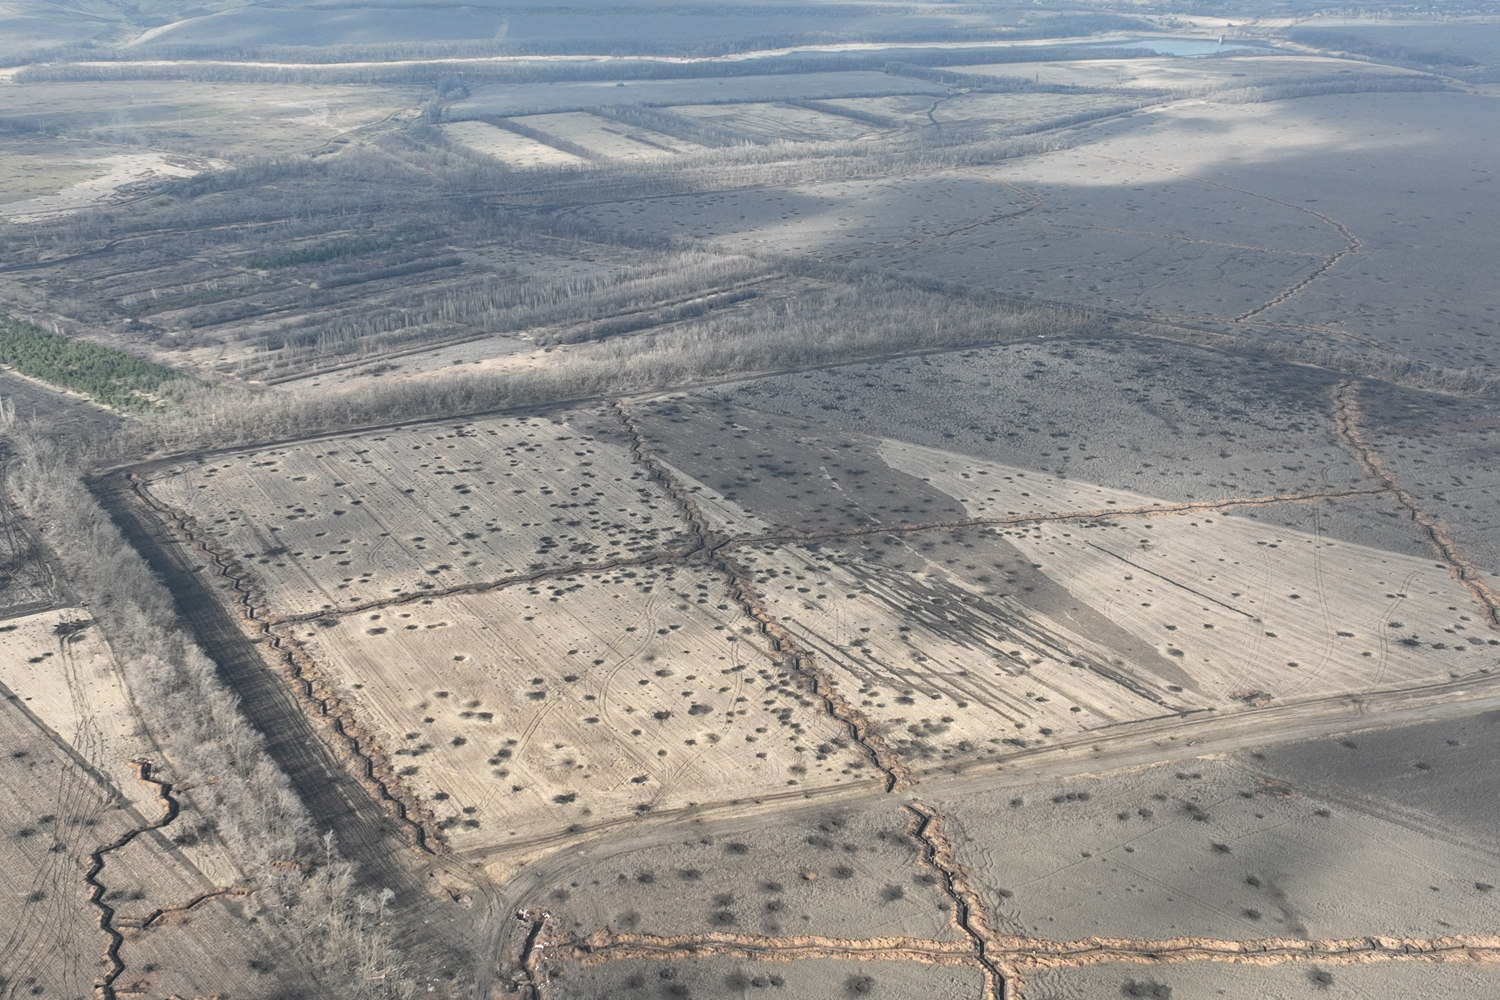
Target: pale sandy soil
[(585, 700), (328, 524), (123, 172)]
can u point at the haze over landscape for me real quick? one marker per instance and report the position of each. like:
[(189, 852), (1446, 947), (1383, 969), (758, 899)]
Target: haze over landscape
[(967, 500)]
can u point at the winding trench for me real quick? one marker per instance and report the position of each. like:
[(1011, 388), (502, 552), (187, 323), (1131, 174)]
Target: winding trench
[(968, 910), (105, 987)]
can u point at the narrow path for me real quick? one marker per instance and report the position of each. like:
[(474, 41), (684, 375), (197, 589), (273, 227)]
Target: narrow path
[(1348, 418)]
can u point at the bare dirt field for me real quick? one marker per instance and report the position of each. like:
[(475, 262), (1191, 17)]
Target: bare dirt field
[(325, 525), (1237, 427), (510, 148), (1172, 73), (843, 873), (726, 978), (218, 119), (1213, 849), (535, 98), (533, 713), (1457, 978), (606, 139), (778, 121), (965, 672)]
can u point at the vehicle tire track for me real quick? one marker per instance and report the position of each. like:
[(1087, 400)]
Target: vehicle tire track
[(1348, 419), (104, 987)]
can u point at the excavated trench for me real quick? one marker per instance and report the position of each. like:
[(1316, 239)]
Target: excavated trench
[(1348, 418), (378, 842)]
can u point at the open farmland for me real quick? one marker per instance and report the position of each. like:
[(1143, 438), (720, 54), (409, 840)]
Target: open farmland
[(527, 714), (510, 148), (986, 111), (320, 526), (605, 139), (731, 503), (540, 98), (548, 673), (212, 119), (726, 978), (1457, 979), (778, 121), (1169, 73)]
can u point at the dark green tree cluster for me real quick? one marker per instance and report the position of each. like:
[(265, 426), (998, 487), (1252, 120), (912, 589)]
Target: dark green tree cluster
[(109, 376)]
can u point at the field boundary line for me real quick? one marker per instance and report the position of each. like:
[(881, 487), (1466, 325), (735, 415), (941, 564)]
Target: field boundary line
[(372, 768), (1348, 418), (799, 660)]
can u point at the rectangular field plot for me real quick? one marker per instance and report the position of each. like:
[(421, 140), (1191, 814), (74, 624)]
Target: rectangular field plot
[(779, 121), (609, 139), (722, 978), (834, 873), (1452, 979), (1009, 111), (508, 147), (954, 641), (527, 712), (942, 672), (1210, 848), (1171, 72), (347, 521)]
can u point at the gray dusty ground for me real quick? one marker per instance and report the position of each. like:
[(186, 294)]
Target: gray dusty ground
[(844, 873), (733, 979), (1215, 849), (1292, 981)]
